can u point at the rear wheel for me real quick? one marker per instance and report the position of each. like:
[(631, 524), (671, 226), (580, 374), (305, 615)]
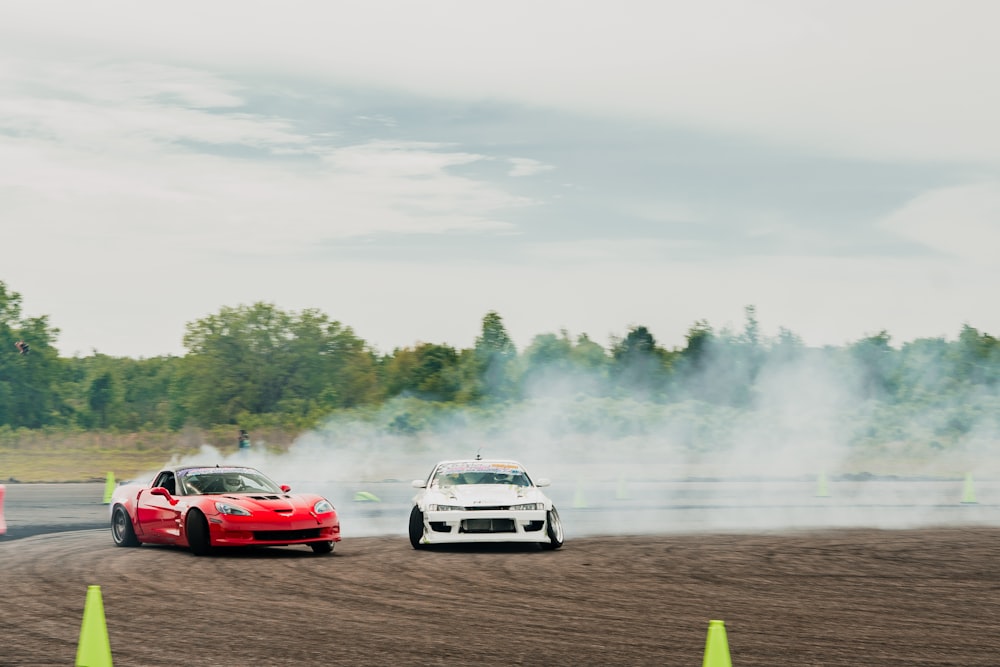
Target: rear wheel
[(416, 527), (121, 529), (321, 547), (196, 527), (554, 530)]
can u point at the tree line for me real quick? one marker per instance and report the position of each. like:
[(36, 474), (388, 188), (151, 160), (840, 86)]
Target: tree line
[(257, 364)]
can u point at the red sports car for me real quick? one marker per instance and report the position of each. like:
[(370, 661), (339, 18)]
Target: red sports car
[(229, 506)]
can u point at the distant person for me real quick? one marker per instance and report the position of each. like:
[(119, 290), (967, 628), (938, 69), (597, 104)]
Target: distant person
[(244, 439), (22, 347)]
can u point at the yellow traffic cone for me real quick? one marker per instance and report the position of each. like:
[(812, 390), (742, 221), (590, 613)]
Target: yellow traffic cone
[(3, 522), (621, 493), (94, 649), (821, 490), (109, 487), (716, 646), (969, 493), (578, 500)]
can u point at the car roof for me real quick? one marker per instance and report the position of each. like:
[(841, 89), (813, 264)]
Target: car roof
[(481, 461), (219, 468)]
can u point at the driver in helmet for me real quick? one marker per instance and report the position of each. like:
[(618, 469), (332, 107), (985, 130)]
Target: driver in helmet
[(232, 482)]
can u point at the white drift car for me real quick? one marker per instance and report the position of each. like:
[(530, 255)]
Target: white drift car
[(483, 501)]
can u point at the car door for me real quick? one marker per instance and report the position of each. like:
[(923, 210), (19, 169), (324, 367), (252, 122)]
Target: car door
[(159, 517)]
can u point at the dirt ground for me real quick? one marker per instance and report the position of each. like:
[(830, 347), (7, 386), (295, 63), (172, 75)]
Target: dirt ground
[(842, 597)]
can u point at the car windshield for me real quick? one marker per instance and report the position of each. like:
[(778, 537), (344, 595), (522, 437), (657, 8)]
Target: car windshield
[(226, 480), (480, 474)]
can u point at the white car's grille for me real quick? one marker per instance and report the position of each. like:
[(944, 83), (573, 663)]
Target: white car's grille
[(488, 526)]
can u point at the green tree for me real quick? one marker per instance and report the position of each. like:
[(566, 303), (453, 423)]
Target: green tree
[(330, 366), (788, 347), (927, 371), (495, 355), (352, 367), (976, 356), (700, 338), (718, 368), (874, 359), (639, 362), (28, 382), (254, 360), (99, 398), (396, 371), (146, 393), (436, 375), (590, 355), (555, 363), (549, 354)]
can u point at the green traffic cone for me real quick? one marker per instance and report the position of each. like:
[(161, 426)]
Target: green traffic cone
[(969, 493), (578, 500), (109, 487), (716, 646), (3, 523), (94, 649), (621, 493), (821, 490)]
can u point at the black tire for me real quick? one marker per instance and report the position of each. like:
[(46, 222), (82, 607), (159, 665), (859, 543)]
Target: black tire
[(416, 528), (196, 527), (321, 547), (122, 531), (554, 530)]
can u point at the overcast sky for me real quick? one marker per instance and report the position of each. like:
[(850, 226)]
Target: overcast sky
[(406, 167)]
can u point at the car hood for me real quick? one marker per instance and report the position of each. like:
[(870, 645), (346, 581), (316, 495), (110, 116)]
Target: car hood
[(263, 502), (468, 495)]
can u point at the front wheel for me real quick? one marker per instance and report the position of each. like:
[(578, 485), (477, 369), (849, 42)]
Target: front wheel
[(554, 530), (121, 529), (321, 547), (196, 527), (416, 528)]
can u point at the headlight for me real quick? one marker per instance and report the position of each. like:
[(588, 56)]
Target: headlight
[(444, 508), (528, 506), (323, 507), (226, 508)]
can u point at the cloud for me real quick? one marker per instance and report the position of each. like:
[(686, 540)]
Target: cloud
[(138, 105), (527, 167), (120, 150), (638, 250), (901, 79), (221, 154), (961, 221)]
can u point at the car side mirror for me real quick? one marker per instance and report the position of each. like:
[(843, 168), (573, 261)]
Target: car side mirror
[(286, 488), (160, 491), (544, 481), (419, 484)]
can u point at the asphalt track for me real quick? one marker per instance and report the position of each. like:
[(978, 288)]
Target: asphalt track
[(902, 575)]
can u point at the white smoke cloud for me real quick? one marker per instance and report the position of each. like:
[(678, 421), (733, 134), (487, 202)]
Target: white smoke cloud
[(809, 451)]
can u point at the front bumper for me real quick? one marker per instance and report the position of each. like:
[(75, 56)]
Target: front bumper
[(457, 526), (240, 531)]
